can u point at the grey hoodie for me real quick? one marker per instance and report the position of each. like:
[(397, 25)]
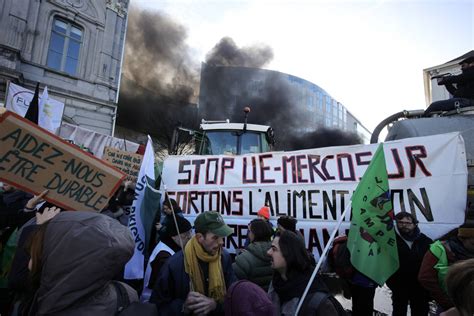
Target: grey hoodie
[(82, 253)]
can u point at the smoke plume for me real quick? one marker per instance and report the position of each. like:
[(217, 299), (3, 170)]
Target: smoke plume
[(157, 56), (274, 100), (160, 77), (226, 53), (160, 84), (324, 137)]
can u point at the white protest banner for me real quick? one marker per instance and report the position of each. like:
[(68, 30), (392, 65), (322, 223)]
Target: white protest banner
[(427, 175), (123, 144), (33, 159), (51, 111), (95, 142)]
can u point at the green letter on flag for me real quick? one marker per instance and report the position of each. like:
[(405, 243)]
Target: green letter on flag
[(372, 242)]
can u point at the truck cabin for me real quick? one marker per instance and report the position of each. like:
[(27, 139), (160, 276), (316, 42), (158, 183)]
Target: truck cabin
[(225, 138)]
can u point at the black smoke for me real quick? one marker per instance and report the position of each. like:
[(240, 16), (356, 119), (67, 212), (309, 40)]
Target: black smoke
[(225, 92), (160, 85), (160, 77), (231, 80), (157, 56), (325, 137), (226, 53), (273, 99)]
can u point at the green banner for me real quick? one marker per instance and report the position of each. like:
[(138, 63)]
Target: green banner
[(372, 240)]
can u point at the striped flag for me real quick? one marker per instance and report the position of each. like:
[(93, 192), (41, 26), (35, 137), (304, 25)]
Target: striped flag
[(142, 213)]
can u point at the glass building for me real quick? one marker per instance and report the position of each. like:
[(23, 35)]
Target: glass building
[(224, 91)]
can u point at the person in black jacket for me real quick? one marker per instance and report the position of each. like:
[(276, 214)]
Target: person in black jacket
[(412, 246), (292, 271), (461, 87)]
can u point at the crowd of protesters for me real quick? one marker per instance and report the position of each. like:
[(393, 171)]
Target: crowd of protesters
[(59, 262)]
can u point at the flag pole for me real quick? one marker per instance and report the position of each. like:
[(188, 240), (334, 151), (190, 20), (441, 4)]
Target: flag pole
[(191, 285), (322, 257)]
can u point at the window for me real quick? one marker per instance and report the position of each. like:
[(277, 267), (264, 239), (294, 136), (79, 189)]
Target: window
[(328, 121), (64, 46), (309, 102), (328, 105), (222, 142)]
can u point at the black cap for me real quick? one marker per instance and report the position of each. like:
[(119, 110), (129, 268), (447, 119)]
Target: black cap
[(183, 225)]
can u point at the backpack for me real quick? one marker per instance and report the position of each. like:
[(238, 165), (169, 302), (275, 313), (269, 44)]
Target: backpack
[(319, 297), (340, 258), (125, 308)]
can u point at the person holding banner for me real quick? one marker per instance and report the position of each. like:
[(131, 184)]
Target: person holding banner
[(12, 203), (195, 281), (121, 199), (292, 271)]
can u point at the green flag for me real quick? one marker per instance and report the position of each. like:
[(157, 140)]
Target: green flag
[(372, 242), (149, 208)]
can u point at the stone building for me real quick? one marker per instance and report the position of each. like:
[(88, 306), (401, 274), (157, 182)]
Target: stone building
[(74, 47)]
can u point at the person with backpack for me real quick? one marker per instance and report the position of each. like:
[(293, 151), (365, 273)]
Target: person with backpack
[(361, 288), (441, 255), (292, 272), (412, 245)]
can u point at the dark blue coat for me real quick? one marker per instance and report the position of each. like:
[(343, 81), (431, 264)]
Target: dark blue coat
[(172, 287)]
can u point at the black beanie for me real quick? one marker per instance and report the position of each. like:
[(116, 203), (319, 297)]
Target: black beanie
[(183, 224), (288, 222)]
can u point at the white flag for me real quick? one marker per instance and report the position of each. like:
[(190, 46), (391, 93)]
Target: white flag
[(46, 112), (19, 98), (134, 269)]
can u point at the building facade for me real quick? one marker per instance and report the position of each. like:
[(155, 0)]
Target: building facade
[(74, 47), (230, 87)]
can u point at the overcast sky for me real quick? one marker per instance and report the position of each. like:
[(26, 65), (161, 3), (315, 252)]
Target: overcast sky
[(368, 55)]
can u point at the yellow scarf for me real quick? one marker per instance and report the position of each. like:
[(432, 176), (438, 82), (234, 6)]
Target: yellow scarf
[(194, 251)]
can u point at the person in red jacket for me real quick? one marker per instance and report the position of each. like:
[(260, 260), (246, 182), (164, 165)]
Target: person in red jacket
[(442, 254)]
